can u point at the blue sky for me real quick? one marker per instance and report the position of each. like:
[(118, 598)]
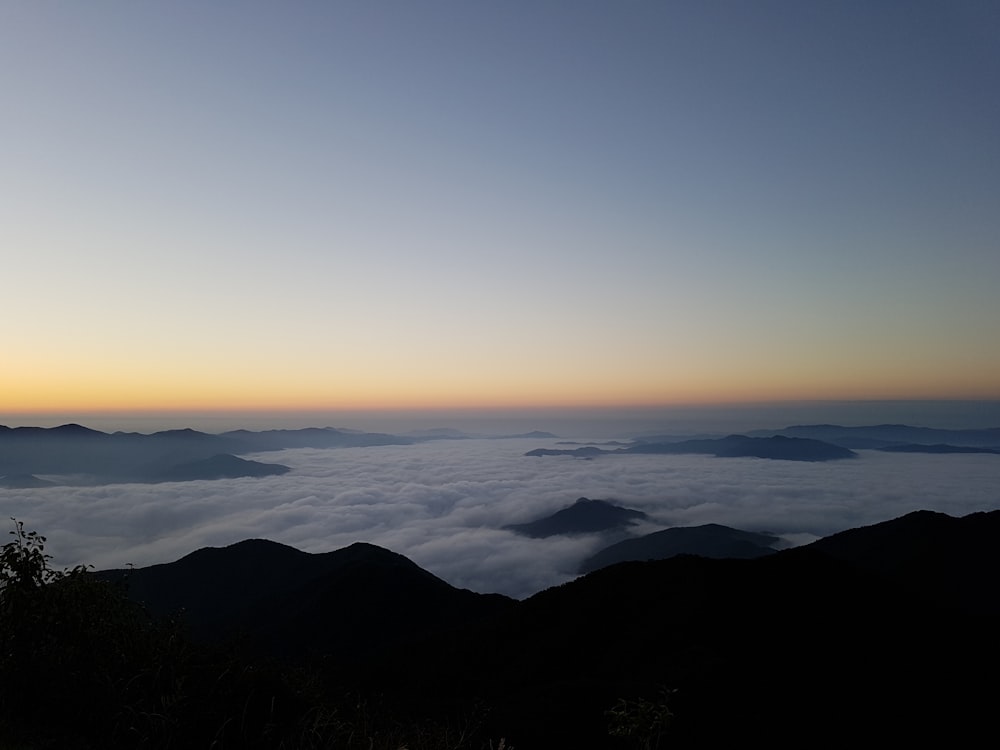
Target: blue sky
[(442, 204)]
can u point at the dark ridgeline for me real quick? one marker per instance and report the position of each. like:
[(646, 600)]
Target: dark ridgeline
[(708, 540), (583, 517), (941, 448), (93, 457), (587, 451), (735, 446), (348, 605), (885, 632)]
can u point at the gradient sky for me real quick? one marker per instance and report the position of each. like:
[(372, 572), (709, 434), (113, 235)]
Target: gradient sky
[(299, 205)]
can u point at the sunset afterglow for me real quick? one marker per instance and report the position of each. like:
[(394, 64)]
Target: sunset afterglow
[(453, 205)]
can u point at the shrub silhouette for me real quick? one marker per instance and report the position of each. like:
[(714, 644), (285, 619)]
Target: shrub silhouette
[(68, 644)]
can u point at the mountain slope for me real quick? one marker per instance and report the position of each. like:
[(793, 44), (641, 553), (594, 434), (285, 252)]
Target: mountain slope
[(869, 633), (952, 562), (344, 603), (708, 540)]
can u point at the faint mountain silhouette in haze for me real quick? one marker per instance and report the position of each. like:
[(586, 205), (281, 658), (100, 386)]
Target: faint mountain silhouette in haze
[(939, 448), (876, 436), (97, 457), (733, 446), (740, 446)]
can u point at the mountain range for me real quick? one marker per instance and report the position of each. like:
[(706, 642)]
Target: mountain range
[(878, 436), (884, 632), (74, 454), (776, 447), (32, 457)]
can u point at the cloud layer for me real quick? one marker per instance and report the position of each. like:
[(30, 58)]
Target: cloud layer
[(442, 504)]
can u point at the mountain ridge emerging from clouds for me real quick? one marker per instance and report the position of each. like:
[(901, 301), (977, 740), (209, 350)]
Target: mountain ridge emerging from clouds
[(92, 457), (583, 517)]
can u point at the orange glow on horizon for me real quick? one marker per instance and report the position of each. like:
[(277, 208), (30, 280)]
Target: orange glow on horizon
[(217, 403), (281, 388)]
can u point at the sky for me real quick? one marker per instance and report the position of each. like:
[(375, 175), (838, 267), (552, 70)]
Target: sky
[(372, 206), (443, 504)]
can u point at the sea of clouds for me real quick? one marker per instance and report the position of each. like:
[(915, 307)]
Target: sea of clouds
[(443, 504)]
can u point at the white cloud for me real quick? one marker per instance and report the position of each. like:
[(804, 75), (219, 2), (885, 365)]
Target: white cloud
[(443, 504)]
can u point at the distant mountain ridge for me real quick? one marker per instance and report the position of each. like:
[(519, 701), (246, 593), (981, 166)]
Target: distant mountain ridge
[(221, 466), (776, 447), (874, 436), (170, 455), (940, 448)]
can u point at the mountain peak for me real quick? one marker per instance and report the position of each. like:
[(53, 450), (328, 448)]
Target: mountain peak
[(585, 516)]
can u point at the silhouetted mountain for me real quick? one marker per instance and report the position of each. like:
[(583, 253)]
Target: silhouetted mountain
[(709, 540), (345, 604), (946, 560), (939, 448), (885, 633), (796, 646), (587, 451), (222, 466), (733, 446), (583, 517), (245, 441), (874, 436), (94, 457), (533, 434)]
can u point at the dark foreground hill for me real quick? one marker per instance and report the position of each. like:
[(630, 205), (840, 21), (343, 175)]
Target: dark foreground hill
[(344, 604), (810, 646), (882, 636)]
